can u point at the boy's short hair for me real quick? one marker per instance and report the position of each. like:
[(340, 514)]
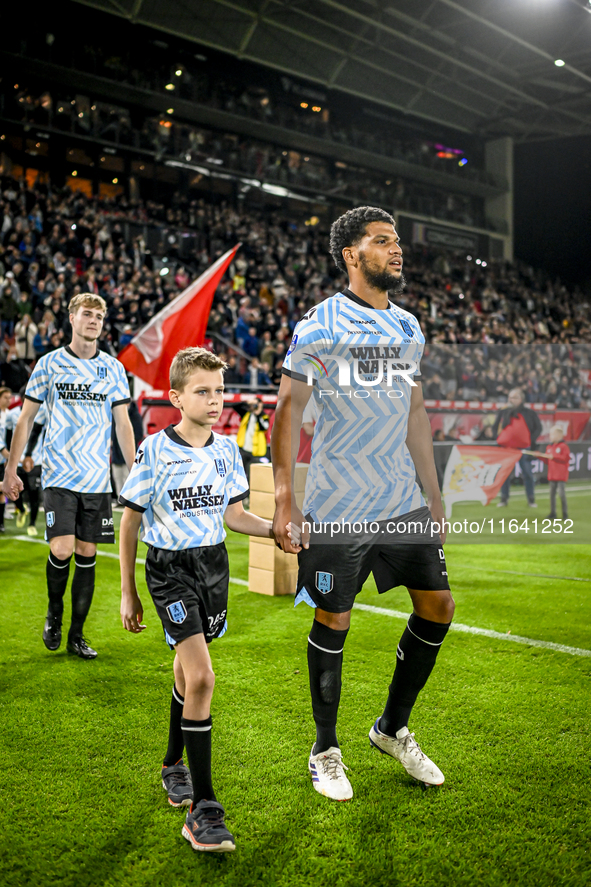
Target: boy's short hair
[(188, 361), (4, 389), (89, 300), (558, 428)]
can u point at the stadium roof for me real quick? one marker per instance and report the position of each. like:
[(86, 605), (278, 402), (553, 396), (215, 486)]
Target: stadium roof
[(486, 67)]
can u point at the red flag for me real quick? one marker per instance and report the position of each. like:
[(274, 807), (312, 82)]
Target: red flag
[(476, 473), (180, 324)]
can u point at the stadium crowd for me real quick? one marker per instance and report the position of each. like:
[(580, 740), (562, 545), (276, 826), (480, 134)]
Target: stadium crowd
[(228, 152), (56, 243)]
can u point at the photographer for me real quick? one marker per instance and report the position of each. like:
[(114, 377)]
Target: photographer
[(252, 434)]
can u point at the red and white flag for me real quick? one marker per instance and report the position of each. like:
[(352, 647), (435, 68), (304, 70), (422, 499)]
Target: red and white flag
[(181, 323), (476, 473)]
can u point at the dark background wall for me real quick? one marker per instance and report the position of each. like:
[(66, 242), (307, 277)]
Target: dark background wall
[(553, 207)]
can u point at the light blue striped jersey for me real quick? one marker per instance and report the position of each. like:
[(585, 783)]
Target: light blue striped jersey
[(184, 491), (80, 396), (363, 363), (40, 419)]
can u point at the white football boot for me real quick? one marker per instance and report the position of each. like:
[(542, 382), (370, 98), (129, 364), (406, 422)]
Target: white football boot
[(406, 749), (328, 774)]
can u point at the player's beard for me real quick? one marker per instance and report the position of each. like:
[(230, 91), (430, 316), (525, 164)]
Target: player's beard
[(384, 281)]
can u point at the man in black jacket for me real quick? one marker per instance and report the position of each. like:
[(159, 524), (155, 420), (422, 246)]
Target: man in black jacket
[(513, 410)]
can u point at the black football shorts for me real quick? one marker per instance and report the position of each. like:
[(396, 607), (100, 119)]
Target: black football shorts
[(330, 576), (87, 516), (190, 590)]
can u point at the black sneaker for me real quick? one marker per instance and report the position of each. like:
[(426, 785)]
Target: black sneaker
[(205, 828), (2, 528), (176, 779), (79, 647), (52, 632)]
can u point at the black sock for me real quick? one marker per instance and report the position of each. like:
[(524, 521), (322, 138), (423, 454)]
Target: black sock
[(415, 658), (197, 736), (1, 509), (82, 592), (57, 573), (176, 742), (325, 662), (34, 503)]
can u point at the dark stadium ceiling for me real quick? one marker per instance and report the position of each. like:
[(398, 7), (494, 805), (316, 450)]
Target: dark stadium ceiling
[(481, 66)]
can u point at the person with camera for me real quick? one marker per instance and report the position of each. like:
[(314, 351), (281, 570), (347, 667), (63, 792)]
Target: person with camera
[(252, 433)]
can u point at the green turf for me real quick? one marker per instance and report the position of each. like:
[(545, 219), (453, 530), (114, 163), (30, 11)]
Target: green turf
[(508, 724), (470, 523)]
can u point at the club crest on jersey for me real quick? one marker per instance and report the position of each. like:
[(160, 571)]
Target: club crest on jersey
[(406, 327), (324, 582), (50, 518), (101, 372), (294, 342), (177, 612), (220, 467)]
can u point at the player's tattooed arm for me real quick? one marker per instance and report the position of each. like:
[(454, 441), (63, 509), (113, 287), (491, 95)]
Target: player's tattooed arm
[(131, 611), (419, 441)]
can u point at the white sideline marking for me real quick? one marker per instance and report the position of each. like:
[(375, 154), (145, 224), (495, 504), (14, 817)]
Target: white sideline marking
[(515, 573), (486, 632), (398, 614)]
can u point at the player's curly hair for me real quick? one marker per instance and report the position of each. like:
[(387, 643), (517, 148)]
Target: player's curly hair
[(188, 360), (349, 228)]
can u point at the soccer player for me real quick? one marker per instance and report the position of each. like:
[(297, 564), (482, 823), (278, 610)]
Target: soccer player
[(359, 354), (186, 479), (84, 390)]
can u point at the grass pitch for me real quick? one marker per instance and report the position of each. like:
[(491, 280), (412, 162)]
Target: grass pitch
[(507, 723)]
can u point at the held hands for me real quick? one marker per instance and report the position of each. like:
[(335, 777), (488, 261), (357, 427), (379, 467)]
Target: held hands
[(12, 485), (132, 612), (294, 534)]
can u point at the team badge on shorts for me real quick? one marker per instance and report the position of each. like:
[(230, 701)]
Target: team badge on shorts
[(220, 466), (50, 518), (101, 372), (177, 612), (324, 582), (406, 327)]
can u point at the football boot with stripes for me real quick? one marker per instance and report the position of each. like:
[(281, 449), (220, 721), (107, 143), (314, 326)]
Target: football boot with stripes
[(328, 774)]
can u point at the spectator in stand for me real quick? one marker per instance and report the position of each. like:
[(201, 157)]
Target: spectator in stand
[(25, 332), (8, 313), (232, 376), (520, 428), (251, 343), (14, 372), (41, 340)]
